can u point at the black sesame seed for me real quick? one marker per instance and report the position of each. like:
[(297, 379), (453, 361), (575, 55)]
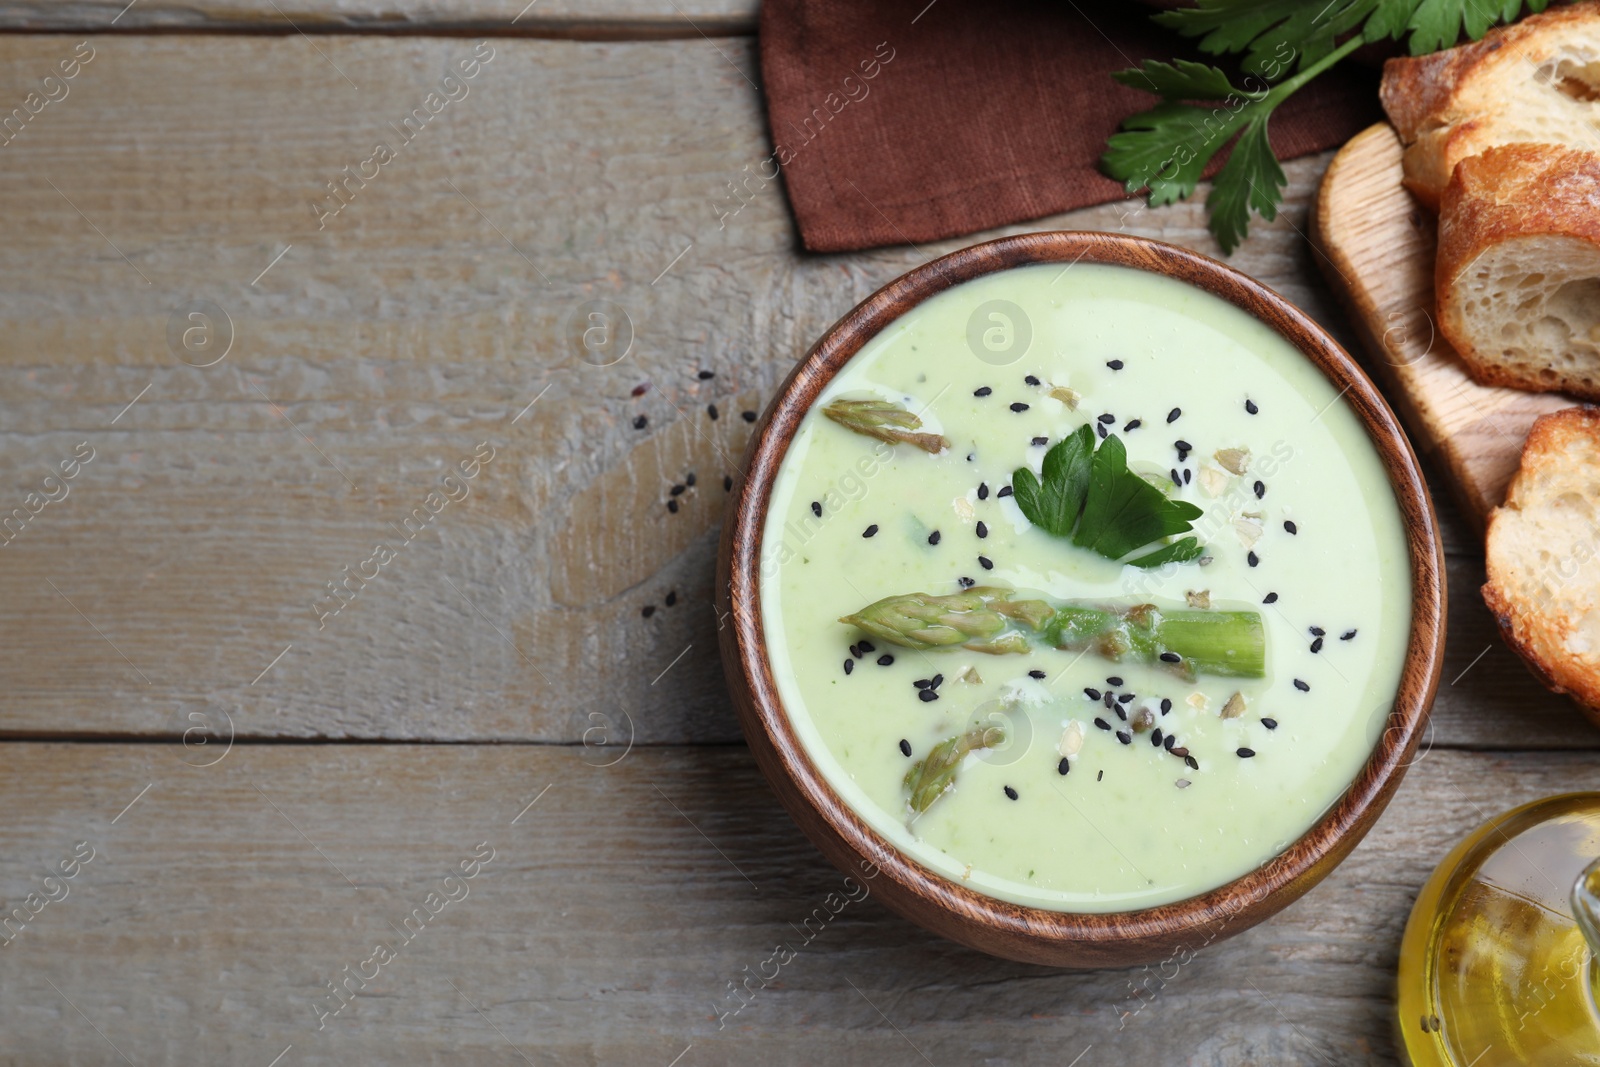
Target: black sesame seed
[(1091, 692), (1253, 559), (885, 659), (688, 479), (648, 610), (639, 422), (1261, 489), (1171, 657), (1271, 724), (1250, 406), (983, 490), (1123, 715), (849, 665), (1005, 490), (1171, 740), (707, 375), (1019, 407), (1270, 598), (1177, 479), (965, 582), (1317, 631), (1302, 686), (1031, 380), (1036, 674), (1099, 776), (1123, 698), (677, 490), (816, 508), (1316, 646), (1166, 705), (1348, 635), (855, 651), (983, 528), (748, 416), (1114, 364), (672, 506), (933, 538), (1125, 737), (1187, 474), (1181, 752), (1063, 767), (866, 646), (1133, 424), (1155, 737), (982, 391), (1183, 446), (711, 410), (986, 563), (1101, 430), (870, 530), (1246, 753), (727, 483), (927, 696), (905, 748), (672, 598), (1192, 763), (936, 681), (1108, 418), (922, 683), (1110, 700), (1040, 442), (1012, 793), (1101, 723), (1113, 681), (1172, 416)]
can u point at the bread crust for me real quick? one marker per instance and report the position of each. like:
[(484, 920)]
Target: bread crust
[(1433, 100), (1507, 193), (1534, 633)]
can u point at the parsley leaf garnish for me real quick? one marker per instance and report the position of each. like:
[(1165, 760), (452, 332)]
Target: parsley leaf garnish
[(1164, 150), (1090, 496)]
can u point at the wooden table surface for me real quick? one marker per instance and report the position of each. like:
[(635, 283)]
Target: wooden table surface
[(268, 790)]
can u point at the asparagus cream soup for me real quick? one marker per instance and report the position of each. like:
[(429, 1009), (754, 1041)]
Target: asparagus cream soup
[(1085, 588)]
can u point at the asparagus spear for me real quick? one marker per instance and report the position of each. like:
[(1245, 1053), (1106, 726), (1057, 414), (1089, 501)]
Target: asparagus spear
[(885, 420), (991, 619), (934, 773)]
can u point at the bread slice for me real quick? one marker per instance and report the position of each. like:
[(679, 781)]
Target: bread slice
[(1537, 80), (1544, 556), (1518, 270)]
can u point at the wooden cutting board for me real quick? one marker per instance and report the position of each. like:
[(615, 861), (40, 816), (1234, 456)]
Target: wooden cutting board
[(1376, 246)]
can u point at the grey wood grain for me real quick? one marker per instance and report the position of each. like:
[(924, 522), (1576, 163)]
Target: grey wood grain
[(576, 19), (615, 913), (374, 349)]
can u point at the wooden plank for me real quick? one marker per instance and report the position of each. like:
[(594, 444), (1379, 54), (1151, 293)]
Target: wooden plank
[(1378, 246), (611, 919), (384, 348), (574, 19)]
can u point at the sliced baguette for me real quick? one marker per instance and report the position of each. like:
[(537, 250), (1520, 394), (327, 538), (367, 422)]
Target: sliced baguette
[(1537, 80), (1518, 270), (1544, 556)]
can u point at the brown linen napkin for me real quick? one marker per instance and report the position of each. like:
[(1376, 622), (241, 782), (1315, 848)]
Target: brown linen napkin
[(900, 121)]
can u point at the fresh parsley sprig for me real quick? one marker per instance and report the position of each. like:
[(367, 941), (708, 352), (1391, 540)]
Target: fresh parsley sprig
[(1284, 44), (1091, 496)]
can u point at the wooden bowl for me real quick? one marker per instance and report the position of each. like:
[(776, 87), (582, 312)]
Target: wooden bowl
[(1038, 935)]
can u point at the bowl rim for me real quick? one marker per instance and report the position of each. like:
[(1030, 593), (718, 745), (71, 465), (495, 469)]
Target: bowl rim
[(1242, 901)]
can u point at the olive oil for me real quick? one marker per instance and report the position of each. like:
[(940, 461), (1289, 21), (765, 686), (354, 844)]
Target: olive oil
[(1495, 970)]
